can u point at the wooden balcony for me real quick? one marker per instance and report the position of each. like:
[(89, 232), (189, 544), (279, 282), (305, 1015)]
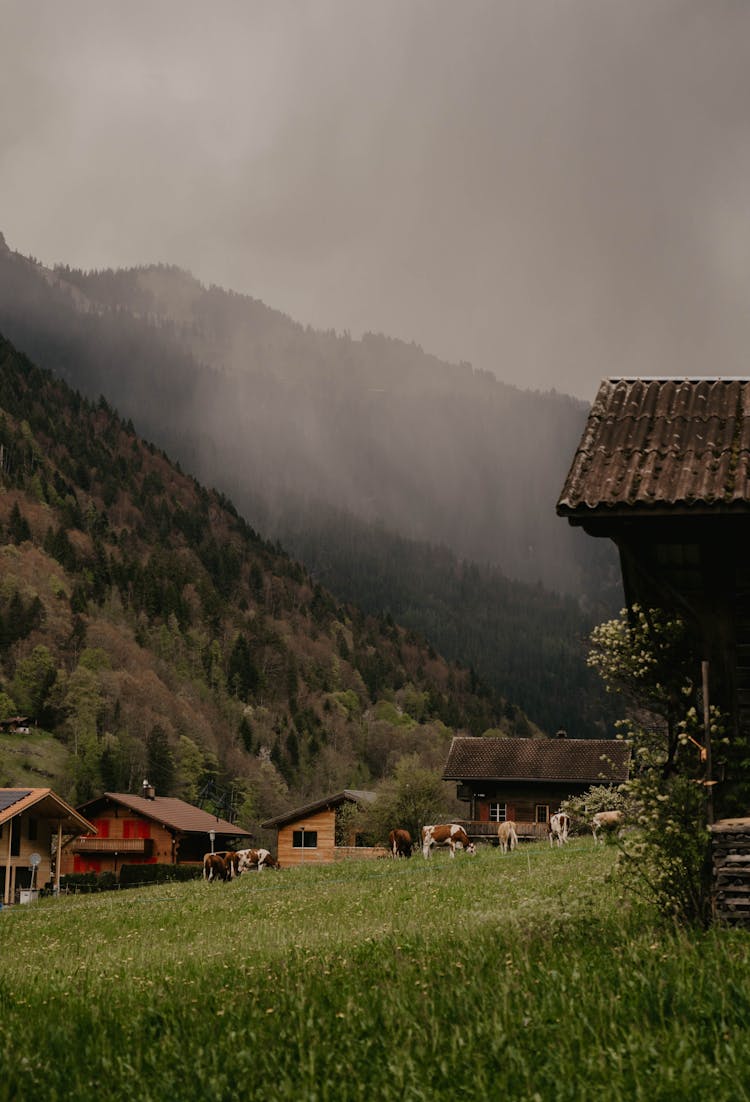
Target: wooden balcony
[(487, 832), (86, 844)]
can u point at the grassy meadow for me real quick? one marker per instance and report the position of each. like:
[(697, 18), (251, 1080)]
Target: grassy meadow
[(522, 977)]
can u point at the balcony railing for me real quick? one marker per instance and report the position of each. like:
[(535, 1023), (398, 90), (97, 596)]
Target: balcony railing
[(110, 845), (487, 832)]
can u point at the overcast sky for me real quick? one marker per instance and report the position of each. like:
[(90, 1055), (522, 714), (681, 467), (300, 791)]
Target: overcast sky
[(554, 190)]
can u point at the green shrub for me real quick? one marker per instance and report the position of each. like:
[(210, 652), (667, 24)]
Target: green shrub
[(131, 875)]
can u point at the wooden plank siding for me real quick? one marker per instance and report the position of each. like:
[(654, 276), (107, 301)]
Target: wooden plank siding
[(29, 835), (322, 822)]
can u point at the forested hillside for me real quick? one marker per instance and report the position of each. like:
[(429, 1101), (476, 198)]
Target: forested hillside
[(147, 630), (522, 640), (280, 416)]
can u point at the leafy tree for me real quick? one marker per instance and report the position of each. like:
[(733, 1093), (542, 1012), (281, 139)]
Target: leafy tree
[(648, 657), (410, 799), (33, 680)]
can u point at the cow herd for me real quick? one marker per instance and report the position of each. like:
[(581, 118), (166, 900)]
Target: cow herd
[(229, 864)]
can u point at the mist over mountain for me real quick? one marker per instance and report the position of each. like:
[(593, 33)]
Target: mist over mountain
[(283, 417), (147, 630)]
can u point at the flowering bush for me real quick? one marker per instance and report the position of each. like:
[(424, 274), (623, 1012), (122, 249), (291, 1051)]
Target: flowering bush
[(664, 846)]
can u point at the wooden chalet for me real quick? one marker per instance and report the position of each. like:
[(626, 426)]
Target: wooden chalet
[(33, 823), (525, 779), (147, 829), (307, 835), (663, 470)]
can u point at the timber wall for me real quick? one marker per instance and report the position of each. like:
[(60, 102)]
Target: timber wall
[(730, 854)]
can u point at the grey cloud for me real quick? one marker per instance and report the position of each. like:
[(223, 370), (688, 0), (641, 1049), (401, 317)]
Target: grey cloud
[(554, 191)]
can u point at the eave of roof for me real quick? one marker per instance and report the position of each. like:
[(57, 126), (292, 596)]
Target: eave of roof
[(48, 805), (350, 795)]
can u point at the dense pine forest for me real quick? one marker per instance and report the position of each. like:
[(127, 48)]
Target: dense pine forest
[(147, 630)]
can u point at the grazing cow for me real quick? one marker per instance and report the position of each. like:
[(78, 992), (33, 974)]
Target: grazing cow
[(445, 834), (400, 843), (231, 860), (214, 867), (559, 825), (506, 836), (255, 859), (606, 821)]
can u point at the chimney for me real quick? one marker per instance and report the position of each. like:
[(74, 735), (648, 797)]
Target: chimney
[(148, 791), (562, 733)]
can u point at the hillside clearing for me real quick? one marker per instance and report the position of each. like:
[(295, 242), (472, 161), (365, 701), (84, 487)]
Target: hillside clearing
[(418, 980)]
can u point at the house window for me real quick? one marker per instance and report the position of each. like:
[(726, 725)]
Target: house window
[(541, 814), (304, 839), (32, 829), (498, 813), (15, 837)]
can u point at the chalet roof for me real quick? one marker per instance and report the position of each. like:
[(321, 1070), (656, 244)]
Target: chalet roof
[(171, 813), (348, 795), (674, 445), (589, 761), (45, 804)]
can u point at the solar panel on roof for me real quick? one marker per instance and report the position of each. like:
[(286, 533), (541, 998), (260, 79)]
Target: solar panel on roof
[(10, 796)]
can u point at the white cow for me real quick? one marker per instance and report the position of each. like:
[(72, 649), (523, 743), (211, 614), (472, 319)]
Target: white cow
[(605, 820), (559, 826), (445, 834), (506, 836)]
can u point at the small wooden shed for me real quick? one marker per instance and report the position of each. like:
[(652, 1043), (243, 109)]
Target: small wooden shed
[(663, 470), (33, 823), (525, 780), (147, 829), (307, 835)]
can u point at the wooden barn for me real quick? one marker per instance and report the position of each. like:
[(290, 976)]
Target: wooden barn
[(33, 823), (308, 835), (147, 829), (663, 470), (525, 780)]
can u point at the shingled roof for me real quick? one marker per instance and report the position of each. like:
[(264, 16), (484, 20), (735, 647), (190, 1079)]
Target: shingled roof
[(589, 761), (347, 795), (172, 813), (668, 445)]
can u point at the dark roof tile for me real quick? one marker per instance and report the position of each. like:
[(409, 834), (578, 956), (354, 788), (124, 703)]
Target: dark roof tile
[(655, 443), (594, 761)]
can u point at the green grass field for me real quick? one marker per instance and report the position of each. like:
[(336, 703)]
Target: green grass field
[(521, 977)]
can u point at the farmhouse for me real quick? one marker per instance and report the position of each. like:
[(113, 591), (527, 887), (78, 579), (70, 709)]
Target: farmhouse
[(663, 470), (524, 779), (146, 829), (33, 822), (319, 832)]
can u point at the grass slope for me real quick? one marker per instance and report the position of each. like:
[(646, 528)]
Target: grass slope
[(519, 976)]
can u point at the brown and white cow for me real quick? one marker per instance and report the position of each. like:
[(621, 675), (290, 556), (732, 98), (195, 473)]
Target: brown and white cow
[(446, 834), (559, 826), (255, 859), (400, 843), (607, 821), (214, 867), (506, 836), (231, 860)]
